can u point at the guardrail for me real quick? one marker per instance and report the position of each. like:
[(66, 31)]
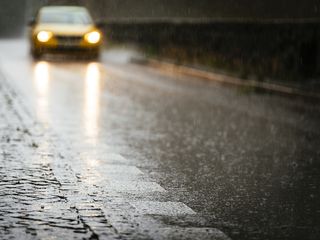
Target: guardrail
[(277, 49)]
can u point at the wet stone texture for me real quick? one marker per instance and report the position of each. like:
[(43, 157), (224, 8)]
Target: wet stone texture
[(46, 193), (32, 201)]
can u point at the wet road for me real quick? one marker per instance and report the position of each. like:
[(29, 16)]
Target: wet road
[(172, 146)]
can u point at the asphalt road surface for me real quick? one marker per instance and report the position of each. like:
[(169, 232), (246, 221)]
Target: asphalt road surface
[(118, 150)]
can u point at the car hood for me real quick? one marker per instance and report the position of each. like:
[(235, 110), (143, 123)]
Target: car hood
[(65, 29)]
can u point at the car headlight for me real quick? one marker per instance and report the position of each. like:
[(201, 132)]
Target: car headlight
[(93, 37), (44, 36)]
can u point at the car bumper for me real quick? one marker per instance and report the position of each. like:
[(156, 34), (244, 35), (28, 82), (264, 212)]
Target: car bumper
[(74, 46), (71, 50)]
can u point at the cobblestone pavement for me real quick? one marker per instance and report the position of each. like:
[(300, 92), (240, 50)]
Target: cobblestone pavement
[(49, 191)]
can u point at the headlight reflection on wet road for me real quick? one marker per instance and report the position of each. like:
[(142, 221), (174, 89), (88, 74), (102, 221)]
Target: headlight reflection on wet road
[(91, 121), (41, 79), (92, 101), (41, 82)]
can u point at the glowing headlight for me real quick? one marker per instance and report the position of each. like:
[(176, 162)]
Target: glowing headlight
[(44, 36), (93, 37)]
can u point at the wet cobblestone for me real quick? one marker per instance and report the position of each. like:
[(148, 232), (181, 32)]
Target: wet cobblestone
[(48, 190), (32, 205)]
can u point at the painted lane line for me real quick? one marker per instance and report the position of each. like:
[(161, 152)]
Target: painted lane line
[(121, 169), (134, 186), (189, 234), (162, 208)]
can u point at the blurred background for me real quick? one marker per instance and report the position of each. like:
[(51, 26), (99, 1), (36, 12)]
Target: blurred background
[(252, 39), (243, 157)]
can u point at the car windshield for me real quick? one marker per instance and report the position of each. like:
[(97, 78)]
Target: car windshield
[(64, 17)]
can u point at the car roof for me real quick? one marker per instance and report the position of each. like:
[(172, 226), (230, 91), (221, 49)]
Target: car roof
[(63, 9)]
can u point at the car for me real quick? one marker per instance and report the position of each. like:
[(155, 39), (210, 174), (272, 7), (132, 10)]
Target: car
[(66, 29)]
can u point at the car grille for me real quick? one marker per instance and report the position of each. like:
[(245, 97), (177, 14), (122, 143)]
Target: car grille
[(68, 40)]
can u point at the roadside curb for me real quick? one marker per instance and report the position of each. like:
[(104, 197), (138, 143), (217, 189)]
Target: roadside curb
[(225, 79)]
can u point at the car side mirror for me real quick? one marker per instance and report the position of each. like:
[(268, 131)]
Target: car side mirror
[(31, 22), (100, 24)]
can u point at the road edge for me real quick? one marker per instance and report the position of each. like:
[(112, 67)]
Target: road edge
[(225, 79)]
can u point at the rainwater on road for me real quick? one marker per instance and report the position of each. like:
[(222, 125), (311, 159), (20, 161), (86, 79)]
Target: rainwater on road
[(126, 151)]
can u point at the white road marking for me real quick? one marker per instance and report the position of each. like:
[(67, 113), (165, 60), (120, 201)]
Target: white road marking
[(134, 186), (162, 208), (121, 169), (189, 234), (115, 157)]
